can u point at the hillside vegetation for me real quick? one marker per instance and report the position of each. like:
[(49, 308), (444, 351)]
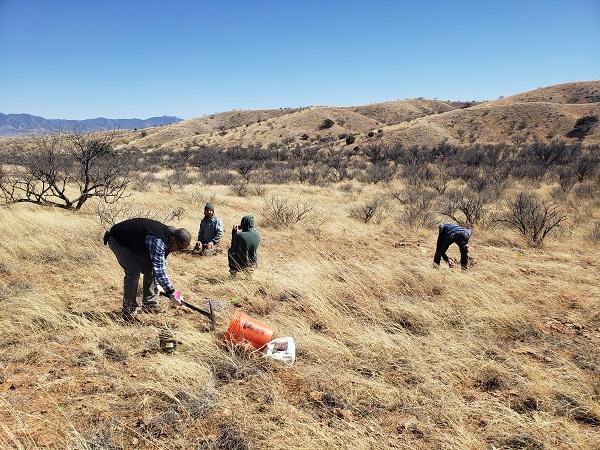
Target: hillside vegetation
[(543, 115)]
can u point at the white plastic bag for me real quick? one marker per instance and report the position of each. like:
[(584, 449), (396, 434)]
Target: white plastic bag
[(282, 349)]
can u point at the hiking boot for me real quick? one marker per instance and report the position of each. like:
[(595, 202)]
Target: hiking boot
[(130, 315), (152, 308)]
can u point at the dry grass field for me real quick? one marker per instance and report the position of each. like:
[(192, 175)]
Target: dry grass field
[(391, 352)]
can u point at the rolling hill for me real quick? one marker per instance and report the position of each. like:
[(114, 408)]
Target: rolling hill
[(543, 114)]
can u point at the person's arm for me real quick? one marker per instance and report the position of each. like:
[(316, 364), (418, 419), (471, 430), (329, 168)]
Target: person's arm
[(235, 241), (200, 232), (218, 232), (156, 248)]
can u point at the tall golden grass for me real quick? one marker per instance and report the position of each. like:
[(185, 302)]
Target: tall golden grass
[(391, 352)]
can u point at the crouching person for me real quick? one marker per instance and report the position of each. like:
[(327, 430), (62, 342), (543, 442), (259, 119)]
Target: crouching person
[(142, 246), (450, 233), (244, 247), (210, 233)]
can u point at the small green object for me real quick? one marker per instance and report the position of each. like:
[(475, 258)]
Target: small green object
[(234, 301)]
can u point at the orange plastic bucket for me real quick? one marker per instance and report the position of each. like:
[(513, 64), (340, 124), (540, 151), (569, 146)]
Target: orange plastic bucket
[(244, 329)]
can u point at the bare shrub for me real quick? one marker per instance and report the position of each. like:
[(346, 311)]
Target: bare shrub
[(198, 197), (177, 179), (350, 188), (372, 209), (107, 214), (219, 176), (243, 188), (346, 187), (465, 207), (488, 182), (380, 172), (376, 153), (319, 175), (418, 174), (258, 189), (595, 233), (559, 195), (548, 154), (277, 174), (279, 211), (302, 174), (418, 207), (586, 166), (586, 190), (566, 178), (439, 182), (142, 182), (240, 188), (244, 168), (532, 217)]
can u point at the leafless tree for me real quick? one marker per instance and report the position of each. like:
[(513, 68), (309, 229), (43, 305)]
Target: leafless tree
[(64, 170), (418, 206), (279, 211), (440, 181), (372, 209), (380, 172), (586, 166), (532, 217), (550, 153), (465, 207)]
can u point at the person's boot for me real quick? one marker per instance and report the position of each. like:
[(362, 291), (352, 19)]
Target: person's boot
[(152, 306), (130, 315)]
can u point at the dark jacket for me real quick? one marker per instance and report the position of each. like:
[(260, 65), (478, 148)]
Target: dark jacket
[(450, 233), (132, 233), (244, 245)]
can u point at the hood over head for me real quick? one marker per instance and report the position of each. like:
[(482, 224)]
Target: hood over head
[(247, 223)]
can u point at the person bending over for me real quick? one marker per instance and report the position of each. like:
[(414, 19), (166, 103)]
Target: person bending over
[(142, 246), (450, 233)]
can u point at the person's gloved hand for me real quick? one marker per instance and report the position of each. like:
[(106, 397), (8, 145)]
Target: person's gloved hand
[(176, 297)]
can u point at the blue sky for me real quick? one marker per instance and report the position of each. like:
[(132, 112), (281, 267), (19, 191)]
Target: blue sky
[(120, 59)]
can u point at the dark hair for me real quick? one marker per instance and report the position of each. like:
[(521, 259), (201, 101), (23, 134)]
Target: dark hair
[(182, 236)]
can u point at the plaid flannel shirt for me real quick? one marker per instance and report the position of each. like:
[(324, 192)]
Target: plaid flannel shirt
[(157, 248)]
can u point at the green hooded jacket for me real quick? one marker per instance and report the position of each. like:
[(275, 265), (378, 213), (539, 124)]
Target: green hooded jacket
[(244, 245)]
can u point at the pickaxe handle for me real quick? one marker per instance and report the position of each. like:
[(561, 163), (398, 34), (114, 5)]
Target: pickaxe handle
[(210, 313)]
